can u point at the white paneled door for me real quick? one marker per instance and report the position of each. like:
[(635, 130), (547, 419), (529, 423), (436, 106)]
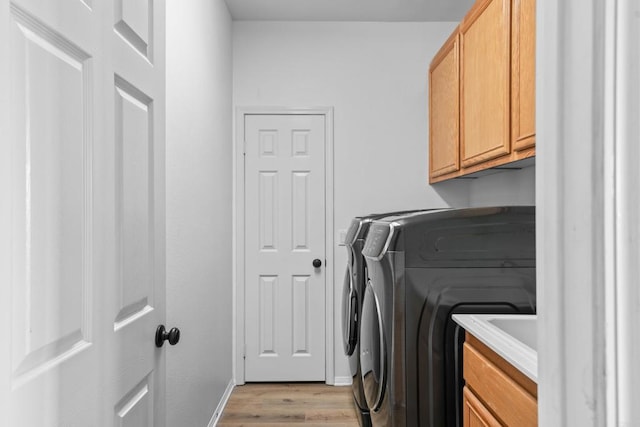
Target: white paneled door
[(82, 212), (284, 238)]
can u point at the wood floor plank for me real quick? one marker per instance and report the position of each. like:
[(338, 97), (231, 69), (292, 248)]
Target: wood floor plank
[(294, 404)]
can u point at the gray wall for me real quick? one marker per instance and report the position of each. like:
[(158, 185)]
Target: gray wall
[(199, 211), (515, 187)]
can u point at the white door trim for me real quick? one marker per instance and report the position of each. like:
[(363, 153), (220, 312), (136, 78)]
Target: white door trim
[(238, 235), (587, 212)]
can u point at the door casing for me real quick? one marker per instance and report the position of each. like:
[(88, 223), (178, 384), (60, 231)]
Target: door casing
[(239, 235)]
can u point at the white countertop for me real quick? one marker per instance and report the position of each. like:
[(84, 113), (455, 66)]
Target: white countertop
[(512, 336)]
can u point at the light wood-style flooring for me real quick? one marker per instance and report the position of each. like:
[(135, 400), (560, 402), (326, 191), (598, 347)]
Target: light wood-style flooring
[(308, 404)]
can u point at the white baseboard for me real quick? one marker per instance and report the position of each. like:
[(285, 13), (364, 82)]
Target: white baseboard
[(342, 381), (223, 402)]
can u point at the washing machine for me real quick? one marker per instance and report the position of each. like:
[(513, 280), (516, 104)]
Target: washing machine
[(422, 268), (353, 292)]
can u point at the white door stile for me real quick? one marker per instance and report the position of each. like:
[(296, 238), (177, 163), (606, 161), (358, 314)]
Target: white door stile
[(5, 217)]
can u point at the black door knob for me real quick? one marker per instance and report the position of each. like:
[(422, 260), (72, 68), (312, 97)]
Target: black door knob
[(317, 263), (173, 336)]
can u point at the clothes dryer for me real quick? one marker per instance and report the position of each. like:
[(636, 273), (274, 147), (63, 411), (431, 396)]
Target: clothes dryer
[(422, 268), (353, 293)]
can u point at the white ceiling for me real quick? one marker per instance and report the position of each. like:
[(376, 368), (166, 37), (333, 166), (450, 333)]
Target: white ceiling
[(349, 10)]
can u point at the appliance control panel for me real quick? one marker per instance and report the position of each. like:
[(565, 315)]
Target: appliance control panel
[(376, 240)]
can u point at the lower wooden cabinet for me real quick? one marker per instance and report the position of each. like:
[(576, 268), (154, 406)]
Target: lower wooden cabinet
[(474, 412), (496, 393)]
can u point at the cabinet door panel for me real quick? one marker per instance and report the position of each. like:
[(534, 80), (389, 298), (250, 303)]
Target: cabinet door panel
[(497, 389), (523, 74), (444, 109), (474, 412), (485, 82)]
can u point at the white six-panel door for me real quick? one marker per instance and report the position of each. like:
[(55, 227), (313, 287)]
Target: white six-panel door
[(284, 234), (82, 225)]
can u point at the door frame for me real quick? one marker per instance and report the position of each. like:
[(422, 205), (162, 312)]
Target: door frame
[(239, 233), (586, 205)]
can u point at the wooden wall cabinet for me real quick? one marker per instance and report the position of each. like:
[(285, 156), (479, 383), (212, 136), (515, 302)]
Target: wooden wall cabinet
[(523, 75), (496, 393), (484, 82), (444, 107), (494, 50)]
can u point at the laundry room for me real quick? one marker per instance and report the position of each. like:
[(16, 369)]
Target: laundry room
[(374, 213), (374, 76)]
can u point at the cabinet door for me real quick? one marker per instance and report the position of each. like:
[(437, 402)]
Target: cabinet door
[(523, 74), (444, 109), (474, 413), (485, 81)]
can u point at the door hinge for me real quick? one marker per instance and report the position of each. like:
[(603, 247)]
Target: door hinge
[(244, 146), (244, 352)]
